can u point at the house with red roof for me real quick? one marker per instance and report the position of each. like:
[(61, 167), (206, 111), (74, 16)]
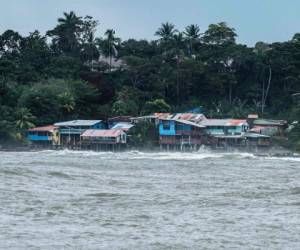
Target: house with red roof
[(104, 136), (46, 135)]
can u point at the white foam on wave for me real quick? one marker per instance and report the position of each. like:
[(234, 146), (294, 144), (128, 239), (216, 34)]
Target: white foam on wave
[(176, 156), (136, 155), (295, 159), (66, 152)]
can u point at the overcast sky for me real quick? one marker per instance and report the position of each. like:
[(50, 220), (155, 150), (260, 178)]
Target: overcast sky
[(254, 20)]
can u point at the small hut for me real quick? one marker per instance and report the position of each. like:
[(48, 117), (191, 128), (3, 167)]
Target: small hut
[(103, 139), (43, 136)]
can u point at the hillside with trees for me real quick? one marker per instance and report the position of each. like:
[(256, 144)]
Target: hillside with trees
[(71, 73)]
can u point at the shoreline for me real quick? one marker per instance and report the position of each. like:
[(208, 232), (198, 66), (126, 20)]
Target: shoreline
[(273, 151)]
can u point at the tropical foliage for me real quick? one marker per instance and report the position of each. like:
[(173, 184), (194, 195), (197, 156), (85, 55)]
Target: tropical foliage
[(70, 72)]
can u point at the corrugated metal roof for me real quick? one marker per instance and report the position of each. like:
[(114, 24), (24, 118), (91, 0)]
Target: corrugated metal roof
[(190, 123), (188, 117), (125, 126), (102, 133), (214, 122), (223, 122), (184, 122), (143, 117), (236, 122), (121, 118), (77, 123), (269, 122), (49, 128)]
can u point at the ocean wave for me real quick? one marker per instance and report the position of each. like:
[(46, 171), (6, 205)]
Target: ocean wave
[(139, 155), (295, 159)]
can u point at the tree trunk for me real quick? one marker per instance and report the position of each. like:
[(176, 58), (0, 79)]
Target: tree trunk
[(110, 56), (263, 96), (230, 93), (177, 81), (268, 88)]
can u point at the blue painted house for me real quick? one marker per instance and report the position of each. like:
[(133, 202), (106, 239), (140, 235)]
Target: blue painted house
[(45, 135), (180, 132), (70, 131)]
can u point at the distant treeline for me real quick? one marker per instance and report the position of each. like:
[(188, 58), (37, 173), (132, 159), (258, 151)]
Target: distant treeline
[(59, 76)]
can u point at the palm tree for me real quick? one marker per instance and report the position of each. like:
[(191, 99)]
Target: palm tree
[(178, 47), (66, 33), (192, 33), (24, 121), (166, 31), (112, 43)]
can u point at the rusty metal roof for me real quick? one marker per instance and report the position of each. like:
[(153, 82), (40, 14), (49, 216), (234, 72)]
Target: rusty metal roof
[(223, 122), (237, 122), (102, 133), (162, 115), (49, 128), (188, 117), (267, 122), (190, 123)]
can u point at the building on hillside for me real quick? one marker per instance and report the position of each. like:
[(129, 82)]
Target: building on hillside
[(43, 136), (115, 62), (118, 119), (103, 139), (180, 134), (269, 127), (70, 131)]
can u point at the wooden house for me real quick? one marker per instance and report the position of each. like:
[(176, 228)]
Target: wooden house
[(70, 131), (103, 139), (226, 132), (269, 127), (43, 136), (177, 134), (225, 126), (257, 140)]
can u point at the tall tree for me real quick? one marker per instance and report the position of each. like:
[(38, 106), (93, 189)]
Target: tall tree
[(88, 50), (111, 44), (66, 34), (166, 34), (219, 34), (192, 33)]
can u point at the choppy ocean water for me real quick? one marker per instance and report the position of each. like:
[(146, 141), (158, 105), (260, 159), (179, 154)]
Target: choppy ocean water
[(134, 200)]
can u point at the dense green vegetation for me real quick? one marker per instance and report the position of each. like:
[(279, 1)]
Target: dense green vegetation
[(58, 76)]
